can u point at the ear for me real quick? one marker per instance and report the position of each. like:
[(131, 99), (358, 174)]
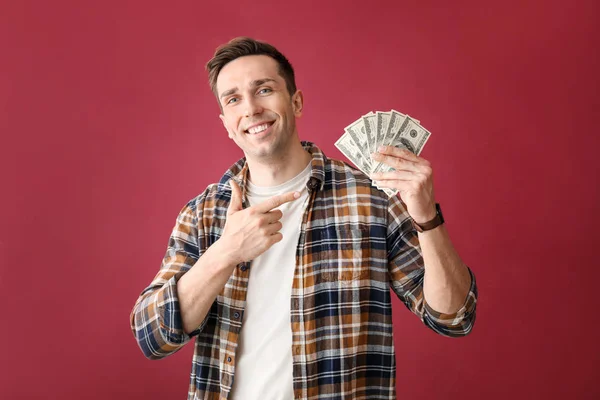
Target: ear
[(225, 125), (298, 103)]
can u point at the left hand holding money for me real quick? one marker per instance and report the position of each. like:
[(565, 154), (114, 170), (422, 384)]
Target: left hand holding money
[(412, 177)]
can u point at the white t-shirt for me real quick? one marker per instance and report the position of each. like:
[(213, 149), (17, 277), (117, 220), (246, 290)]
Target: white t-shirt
[(264, 355)]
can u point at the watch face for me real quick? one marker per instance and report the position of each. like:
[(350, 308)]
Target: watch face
[(439, 211)]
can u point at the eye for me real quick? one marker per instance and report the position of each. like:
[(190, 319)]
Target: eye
[(232, 100), (264, 91)]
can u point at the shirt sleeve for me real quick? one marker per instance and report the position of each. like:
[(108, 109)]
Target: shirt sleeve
[(407, 272), (156, 316)]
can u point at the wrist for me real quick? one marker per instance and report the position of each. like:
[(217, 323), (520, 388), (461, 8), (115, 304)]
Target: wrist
[(224, 255), (426, 217), (431, 223)]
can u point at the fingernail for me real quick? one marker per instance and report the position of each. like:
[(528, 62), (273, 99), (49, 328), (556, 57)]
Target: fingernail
[(381, 148), (296, 195)]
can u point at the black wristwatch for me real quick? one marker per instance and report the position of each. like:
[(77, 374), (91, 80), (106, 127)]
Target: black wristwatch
[(429, 225)]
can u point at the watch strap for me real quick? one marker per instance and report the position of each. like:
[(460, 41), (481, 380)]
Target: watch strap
[(429, 225)]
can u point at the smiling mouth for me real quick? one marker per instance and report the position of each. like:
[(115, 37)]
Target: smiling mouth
[(259, 128)]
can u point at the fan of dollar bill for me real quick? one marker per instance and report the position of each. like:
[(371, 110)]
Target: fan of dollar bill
[(364, 136)]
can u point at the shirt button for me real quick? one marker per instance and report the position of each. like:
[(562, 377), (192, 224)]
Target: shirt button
[(243, 268), (298, 349), (228, 359), (236, 315)]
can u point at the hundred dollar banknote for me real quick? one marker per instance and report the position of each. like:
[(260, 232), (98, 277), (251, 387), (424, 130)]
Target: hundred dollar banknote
[(374, 129)]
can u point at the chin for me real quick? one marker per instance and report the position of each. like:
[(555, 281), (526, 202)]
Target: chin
[(263, 153), (271, 150)]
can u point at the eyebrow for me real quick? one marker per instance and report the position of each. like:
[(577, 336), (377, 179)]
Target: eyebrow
[(254, 83)]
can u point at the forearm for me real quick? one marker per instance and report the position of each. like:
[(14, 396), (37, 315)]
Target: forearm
[(447, 279), (200, 286)]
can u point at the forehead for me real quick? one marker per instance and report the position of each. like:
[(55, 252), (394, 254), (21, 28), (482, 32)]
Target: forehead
[(244, 70)]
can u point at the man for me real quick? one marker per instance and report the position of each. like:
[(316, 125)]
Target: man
[(282, 269)]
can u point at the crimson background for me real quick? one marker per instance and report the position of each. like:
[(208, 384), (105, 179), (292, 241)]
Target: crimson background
[(108, 127)]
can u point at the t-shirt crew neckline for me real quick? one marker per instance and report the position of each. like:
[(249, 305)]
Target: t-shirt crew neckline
[(264, 191)]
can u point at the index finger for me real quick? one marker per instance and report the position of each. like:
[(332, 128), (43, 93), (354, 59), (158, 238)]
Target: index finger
[(276, 201)]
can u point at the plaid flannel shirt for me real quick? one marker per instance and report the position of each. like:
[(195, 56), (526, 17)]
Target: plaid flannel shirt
[(355, 244)]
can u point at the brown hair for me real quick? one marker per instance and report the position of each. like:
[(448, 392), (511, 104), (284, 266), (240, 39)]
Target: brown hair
[(245, 46)]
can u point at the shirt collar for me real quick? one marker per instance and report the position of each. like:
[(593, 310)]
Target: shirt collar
[(239, 171)]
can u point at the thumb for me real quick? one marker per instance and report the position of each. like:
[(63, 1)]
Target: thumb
[(236, 198)]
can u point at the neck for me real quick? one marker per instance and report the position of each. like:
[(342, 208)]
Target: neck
[(279, 169)]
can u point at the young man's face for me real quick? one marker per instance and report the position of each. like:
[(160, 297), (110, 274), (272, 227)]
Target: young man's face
[(258, 111)]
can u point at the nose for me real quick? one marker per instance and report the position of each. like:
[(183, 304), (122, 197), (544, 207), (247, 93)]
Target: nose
[(253, 107)]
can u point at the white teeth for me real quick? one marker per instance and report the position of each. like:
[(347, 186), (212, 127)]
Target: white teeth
[(258, 128)]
